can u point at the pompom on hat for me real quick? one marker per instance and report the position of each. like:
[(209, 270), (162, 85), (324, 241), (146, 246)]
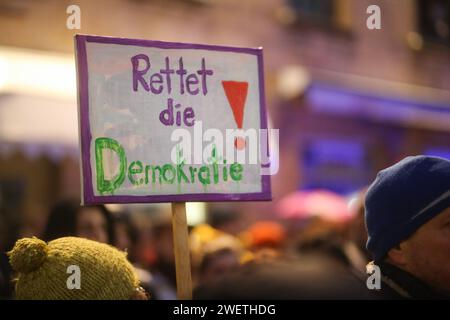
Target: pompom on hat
[(104, 271), (28, 255)]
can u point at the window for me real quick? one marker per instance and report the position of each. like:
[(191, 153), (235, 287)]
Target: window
[(331, 14), (314, 10), (339, 165), (434, 20)]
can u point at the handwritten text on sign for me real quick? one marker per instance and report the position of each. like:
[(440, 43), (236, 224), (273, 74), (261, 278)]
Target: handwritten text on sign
[(140, 101)]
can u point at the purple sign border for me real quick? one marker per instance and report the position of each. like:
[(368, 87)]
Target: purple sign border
[(86, 137)]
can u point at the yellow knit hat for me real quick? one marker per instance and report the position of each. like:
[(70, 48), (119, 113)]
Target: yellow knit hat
[(104, 271)]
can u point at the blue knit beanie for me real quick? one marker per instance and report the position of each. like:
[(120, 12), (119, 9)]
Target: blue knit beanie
[(402, 198)]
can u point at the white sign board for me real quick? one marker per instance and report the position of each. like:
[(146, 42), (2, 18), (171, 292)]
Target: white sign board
[(165, 122)]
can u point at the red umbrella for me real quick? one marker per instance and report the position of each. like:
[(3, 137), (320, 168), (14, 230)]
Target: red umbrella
[(323, 203)]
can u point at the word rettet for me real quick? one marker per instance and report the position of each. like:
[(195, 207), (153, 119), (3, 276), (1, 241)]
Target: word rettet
[(168, 80)]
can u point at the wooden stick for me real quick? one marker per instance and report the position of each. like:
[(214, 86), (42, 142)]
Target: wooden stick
[(181, 250)]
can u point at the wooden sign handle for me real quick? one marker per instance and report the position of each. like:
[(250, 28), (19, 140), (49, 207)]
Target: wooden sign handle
[(181, 250)]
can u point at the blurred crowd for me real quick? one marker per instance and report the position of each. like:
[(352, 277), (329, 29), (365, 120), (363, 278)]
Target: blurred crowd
[(314, 249), (219, 247)]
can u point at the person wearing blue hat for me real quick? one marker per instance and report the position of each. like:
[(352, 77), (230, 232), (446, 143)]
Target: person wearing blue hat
[(407, 214)]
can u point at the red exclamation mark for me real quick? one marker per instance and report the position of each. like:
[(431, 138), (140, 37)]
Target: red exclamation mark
[(236, 93)]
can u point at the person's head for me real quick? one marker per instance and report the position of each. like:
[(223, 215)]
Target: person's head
[(164, 251), (265, 234), (163, 242), (228, 221), (408, 218), (126, 234), (218, 263), (68, 218), (72, 268)]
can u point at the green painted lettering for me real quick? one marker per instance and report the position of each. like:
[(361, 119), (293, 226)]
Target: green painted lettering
[(135, 168), (236, 171), (103, 185)]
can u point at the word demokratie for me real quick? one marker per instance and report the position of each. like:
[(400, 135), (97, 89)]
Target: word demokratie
[(140, 174)]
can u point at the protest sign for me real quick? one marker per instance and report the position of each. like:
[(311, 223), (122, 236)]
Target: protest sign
[(170, 122)]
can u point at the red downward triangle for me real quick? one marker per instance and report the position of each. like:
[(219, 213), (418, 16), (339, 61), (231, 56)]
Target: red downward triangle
[(236, 93)]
